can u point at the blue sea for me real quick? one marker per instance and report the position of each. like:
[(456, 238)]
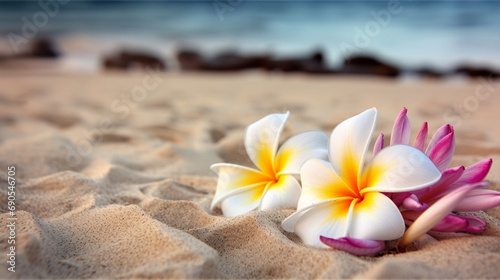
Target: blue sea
[(440, 34)]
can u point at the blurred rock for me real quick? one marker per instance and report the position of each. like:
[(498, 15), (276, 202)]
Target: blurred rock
[(40, 54), (368, 65), (427, 72), (44, 48), (127, 60), (230, 61), (313, 64), (475, 72), (316, 64), (190, 60), (284, 65), (40, 48)]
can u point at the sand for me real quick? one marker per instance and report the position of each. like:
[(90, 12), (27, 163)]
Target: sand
[(113, 175)]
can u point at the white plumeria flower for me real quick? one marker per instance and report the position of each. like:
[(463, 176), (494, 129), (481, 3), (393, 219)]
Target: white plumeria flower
[(241, 189), (342, 198)]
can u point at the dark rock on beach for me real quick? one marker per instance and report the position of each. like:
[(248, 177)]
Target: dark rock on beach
[(368, 65), (283, 65), (128, 60), (39, 54), (231, 61), (476, 72), (190, 60), (42, 48), (38, 48), (313, 64), (428, 72)]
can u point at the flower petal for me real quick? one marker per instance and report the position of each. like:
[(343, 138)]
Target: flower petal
[(325, 219), (475, 173), (444, 185), (412, 203), (359, 247), (320, 183), (450, 223), (348, 144), (244, 201), (376, 218), (435, 213), (440, 133), (454, 223), (289, 223), (410, 216), (421, 137), (320, 186), (478, 200), (398, 198), (399, 168), (232, 178), (443, 152), (474, 224), (301, 147), (284, 193), (401, 130), (262, 139), (379, 144)]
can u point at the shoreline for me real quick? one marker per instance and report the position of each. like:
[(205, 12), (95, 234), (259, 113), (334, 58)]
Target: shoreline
[(83, 53)]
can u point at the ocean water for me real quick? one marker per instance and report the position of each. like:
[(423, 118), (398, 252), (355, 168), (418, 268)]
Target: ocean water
[(440, 34)]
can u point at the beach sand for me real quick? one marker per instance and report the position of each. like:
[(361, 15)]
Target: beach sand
[(113, 175)]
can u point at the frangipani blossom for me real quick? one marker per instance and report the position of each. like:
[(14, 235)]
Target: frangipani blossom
[(440, 151), (342, 204), (242, 189)]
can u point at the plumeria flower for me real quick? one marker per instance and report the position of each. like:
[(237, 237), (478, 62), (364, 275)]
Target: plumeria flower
[(440, 150), (342, 204), (242, 189)]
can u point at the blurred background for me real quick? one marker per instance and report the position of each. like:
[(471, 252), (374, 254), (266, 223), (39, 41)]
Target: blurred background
[(387, 38)]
